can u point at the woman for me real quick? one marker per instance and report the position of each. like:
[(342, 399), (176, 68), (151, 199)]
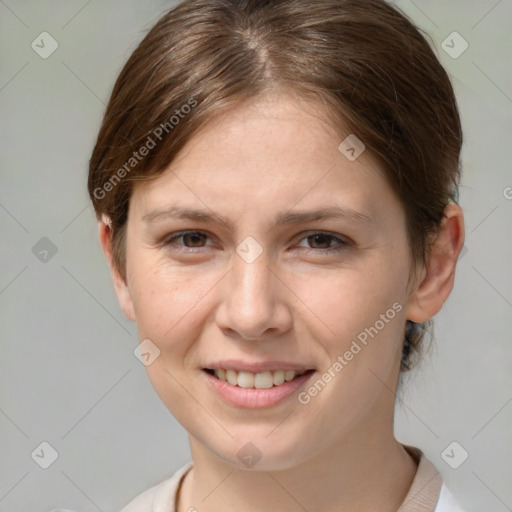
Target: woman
[(275, 184)]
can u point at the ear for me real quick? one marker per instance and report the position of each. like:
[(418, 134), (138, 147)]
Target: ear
[(120, 285), (438, 275)]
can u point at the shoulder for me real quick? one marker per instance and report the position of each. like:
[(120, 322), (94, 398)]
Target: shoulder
[(160, 497), (428, 491), (144, 501), (447, 502)]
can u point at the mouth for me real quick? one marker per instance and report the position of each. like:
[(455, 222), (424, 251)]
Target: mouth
[(261, 380)]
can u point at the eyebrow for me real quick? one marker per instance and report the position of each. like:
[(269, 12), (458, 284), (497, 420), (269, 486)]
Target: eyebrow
[(283, 218)]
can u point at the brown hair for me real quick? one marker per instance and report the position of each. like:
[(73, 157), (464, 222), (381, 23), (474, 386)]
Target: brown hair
[(363, 60)]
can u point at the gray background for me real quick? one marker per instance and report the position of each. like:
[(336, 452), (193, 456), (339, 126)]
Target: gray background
[(68, 375)]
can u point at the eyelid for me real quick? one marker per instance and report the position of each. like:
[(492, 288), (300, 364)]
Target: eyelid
[(336, 236), (342, 243), (168, 240), (341, 239)]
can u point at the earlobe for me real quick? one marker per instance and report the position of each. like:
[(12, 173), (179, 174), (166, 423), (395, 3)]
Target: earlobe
[(120, 285), (438, 275)]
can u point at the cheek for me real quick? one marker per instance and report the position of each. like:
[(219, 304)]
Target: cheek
[(169, 302), (170, 306), (345, 301), (162, 299), (358, 320), (358, 314)]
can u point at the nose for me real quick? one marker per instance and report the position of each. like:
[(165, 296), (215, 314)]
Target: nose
[(256, 301)]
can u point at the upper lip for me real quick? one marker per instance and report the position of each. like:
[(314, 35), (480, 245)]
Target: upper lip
[(256, 367)]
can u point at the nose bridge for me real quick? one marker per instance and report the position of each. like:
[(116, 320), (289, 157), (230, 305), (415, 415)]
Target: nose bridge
[(251, 282), (253, 302)]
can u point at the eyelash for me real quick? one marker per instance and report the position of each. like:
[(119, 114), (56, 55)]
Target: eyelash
[(342, 244)]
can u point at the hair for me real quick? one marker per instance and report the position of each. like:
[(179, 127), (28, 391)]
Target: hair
[(363, 60)]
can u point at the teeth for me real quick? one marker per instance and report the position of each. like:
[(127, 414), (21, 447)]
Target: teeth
[(289, 375), (259, 380), (278, 378)]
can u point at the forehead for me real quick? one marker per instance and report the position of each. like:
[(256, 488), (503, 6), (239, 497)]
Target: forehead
[(271, 153)]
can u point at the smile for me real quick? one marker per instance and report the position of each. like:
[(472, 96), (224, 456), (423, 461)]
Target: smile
[(260, 380), (255, 390)]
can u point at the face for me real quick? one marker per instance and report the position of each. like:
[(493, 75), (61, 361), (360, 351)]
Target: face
[(258, 278)]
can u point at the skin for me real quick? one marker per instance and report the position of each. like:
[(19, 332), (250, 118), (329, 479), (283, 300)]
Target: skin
[(198, 301)]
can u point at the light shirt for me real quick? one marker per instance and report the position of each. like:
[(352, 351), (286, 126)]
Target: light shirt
[(426, 494)]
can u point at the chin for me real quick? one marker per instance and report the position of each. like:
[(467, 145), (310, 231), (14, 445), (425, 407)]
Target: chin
[(259, 453)]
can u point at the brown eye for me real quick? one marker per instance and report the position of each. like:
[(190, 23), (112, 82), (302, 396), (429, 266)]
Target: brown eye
[(191, 239), (194, 239), (324, 243), (320, 239)]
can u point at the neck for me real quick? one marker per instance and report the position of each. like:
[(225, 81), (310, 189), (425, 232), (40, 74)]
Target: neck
[(363, 473)]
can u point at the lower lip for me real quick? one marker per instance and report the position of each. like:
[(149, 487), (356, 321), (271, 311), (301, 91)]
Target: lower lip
[(253, 398)]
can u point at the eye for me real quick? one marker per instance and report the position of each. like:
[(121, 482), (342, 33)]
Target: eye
[(324, 239), (191, 239), (197, 239)]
